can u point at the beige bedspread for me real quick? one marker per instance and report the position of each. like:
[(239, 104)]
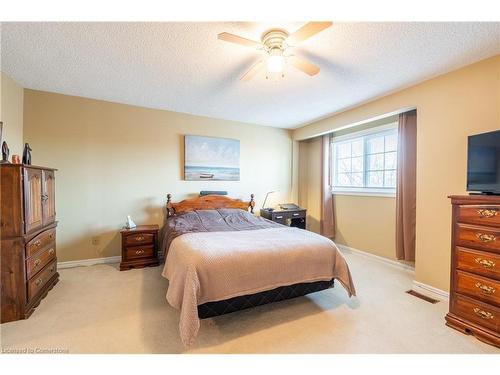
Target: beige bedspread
[(212, 266)]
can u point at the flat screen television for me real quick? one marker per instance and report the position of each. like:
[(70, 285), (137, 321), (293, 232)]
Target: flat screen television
[(483, 163)]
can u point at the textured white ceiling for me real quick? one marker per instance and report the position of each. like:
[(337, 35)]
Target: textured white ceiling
[(183, 67)]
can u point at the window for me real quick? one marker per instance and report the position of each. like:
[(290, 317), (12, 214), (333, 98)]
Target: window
[(365, 162)]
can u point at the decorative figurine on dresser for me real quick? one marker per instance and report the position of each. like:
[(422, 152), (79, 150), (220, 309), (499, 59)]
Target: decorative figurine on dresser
[(27, 154), (28, 238), (5, 153), (475, 267)]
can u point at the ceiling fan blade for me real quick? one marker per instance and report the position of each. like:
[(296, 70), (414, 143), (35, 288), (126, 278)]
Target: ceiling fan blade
[(304, 65), (227, 37), (250, 73), (307, 31)]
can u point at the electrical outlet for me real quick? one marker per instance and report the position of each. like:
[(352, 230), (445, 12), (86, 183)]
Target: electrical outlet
[(96, 240)]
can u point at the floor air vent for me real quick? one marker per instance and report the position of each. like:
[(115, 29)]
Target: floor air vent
[(421, 296)]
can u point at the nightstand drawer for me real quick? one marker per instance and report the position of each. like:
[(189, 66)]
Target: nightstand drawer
[(137, 252), (281, 215), (139, 239), (296, 214)]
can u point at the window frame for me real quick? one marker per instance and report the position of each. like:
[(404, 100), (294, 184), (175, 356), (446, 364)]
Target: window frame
[(362, 191)]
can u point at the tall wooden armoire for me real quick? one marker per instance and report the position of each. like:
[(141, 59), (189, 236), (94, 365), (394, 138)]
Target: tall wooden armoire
[(28, 238)]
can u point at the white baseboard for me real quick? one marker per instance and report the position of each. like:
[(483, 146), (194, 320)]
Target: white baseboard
[(430, 291), (88, 262), (391, 262), (417, 286)]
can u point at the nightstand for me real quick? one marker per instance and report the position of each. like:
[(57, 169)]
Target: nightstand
[(293, 217), (139, 247)]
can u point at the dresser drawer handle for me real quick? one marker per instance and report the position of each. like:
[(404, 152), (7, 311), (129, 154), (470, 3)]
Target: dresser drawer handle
[(37, 243), (138, 252), (296, 214), (487, 213), (52, 269), (485, 288), (51, 251), (51, 236), (279, 217), (483, 314), (139, 238), (37, 262), (483, 237), (38, 281), (485, 263)]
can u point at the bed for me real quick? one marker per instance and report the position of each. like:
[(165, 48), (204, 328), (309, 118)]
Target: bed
[(220, 258)]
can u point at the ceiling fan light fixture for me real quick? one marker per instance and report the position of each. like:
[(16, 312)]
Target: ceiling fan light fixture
[(275, 61), (275, 42)]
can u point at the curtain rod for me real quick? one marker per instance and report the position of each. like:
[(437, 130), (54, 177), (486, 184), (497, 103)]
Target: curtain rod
[(362, 122)]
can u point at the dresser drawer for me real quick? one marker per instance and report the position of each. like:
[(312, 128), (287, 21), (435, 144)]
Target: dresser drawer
[(36, 283), (478, 262), (40, 241), (36, 262), (139, 239), (478, 237), (487, 290), (137, 252), (476, 312), (480, 215)]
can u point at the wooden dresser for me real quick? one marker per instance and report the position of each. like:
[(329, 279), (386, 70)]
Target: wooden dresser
[(28, 238), (475, 267)]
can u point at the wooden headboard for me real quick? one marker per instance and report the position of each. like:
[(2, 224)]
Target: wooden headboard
[(207, 202)]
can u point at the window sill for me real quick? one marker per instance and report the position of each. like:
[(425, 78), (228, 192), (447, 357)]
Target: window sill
[(366, 193)]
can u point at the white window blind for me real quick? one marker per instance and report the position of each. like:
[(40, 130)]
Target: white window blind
[(365, 162)]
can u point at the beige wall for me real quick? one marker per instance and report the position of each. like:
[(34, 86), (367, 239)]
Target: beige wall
[(116, 159), (449, 107), (366, 223), (362, 222), (11, 113)]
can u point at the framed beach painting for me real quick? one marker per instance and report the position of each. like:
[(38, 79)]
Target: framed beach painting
[(211, 159)]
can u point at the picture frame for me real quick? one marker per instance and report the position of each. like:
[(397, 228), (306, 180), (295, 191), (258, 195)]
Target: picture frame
[(211, 158)]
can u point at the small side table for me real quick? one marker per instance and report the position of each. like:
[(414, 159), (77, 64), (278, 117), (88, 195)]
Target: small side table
[(139, 247), (293, 217)]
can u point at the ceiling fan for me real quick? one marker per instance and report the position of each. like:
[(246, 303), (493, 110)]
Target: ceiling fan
[(276, 44)]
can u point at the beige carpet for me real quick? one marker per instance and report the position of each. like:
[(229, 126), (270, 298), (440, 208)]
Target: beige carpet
[(101, 310)]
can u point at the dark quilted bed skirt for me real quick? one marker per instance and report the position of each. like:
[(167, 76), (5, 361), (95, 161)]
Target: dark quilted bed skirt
[(211, 309)]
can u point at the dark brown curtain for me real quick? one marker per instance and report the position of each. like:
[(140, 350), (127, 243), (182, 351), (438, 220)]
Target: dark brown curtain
[(406, 192), (327, 219)]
